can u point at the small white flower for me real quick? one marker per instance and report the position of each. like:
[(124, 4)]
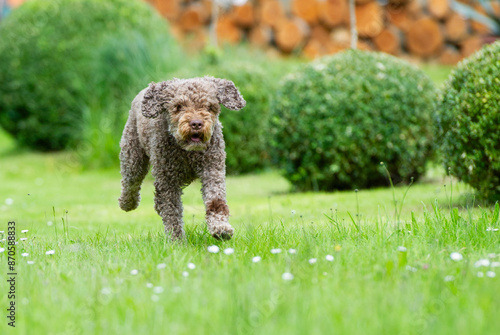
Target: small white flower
[(1, 232), (229, 251), (23, 238), (402, 249), (449, 278), (495, 264), (191, 266), (161, 266), (292, 251), (329, 258), (293, 212), (456, 256), (50, 252), (30, 262), (492, 255), (25, 254), (480, 274), (491, 274), (491, 229), (312, 260), (49, 223), (482, 262), (275, 251), (24, 231), (256, 259), (213, 249), (2, 249), (411, 268), (134, 272), (155, 298), (106, 290), (158, 289), (149, 285), (9, 201), (287, 276), (380, 66), (185, 274)]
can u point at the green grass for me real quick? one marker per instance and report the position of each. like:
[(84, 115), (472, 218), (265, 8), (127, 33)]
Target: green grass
[(371, 287)]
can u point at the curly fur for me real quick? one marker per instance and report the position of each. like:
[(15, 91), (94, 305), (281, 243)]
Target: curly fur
[(173, 126)]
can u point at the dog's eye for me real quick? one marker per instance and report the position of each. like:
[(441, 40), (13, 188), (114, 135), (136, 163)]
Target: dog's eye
[(178, 108)]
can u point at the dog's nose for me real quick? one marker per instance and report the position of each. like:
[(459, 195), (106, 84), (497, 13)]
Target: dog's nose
[(196, 124)]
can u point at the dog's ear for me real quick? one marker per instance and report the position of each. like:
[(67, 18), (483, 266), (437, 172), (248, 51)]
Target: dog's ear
[(228, 94), (155, 99)]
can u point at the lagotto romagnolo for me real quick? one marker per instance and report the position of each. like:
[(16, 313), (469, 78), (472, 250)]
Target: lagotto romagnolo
[(174, 127)]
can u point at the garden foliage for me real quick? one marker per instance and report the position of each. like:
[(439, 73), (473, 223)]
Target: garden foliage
[(64, 64), (469, 119), (337, 118)]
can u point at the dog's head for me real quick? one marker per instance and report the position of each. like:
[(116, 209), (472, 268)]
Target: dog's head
[(192, 107)]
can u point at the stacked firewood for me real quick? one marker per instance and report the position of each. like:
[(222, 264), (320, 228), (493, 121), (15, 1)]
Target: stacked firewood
[(427, 29)]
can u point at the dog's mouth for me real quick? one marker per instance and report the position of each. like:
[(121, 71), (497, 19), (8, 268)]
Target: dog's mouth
[(196, 137)]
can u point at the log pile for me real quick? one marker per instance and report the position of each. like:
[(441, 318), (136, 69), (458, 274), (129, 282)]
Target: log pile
[(422, 29)]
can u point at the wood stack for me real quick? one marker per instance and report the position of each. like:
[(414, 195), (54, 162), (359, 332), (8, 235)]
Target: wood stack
[(425, 29)]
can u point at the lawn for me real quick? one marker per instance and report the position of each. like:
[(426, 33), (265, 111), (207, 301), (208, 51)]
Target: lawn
[(404, 260)]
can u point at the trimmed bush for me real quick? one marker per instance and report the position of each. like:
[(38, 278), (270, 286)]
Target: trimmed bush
[(62, 60), (469, 122), (337, 118), (245, 131)]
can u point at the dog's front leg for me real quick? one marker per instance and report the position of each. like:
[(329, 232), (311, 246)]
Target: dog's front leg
[(168, 205), (214, 197)]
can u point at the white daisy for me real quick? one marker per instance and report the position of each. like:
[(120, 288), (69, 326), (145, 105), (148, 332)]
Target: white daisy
[(456, 256), (449, 278), (149, 285), (329, 258), (161, 266), (312, 260), (229, 251), (9, 201), (287, 276), (213, 249), (275, 251), (491, 274), (402, 249), (256, 259), (482, 262), (25, 254), (24, 231), (191, 266), (292, 251), (480, 274), (158, 289), (185, 274), (134, 272), (50, 252), (30, 262), (23, 238)]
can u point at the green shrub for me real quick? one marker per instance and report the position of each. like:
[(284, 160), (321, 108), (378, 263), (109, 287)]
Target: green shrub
[(469, 122), (336, 119), (245, 131), (63, 63)]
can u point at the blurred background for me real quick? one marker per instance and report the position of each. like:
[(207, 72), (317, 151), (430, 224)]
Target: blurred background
[(69, 70)]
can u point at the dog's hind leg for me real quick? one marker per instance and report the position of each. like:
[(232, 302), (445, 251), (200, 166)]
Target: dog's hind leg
[(134, 164)]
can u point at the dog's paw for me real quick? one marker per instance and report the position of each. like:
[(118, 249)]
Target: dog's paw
[(129, 203), (222, 232)]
